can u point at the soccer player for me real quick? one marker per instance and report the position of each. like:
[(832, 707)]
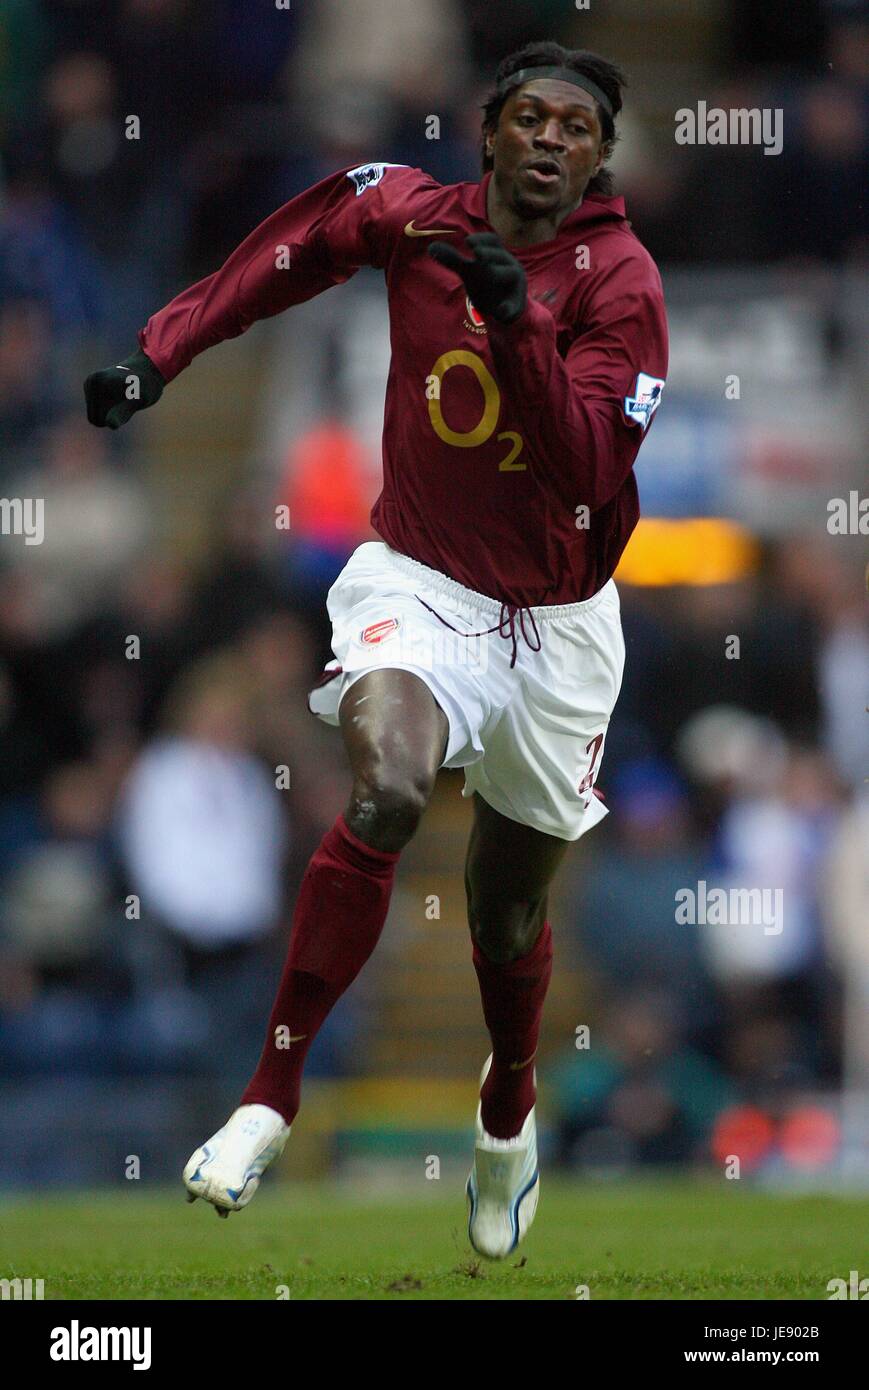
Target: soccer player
[(529, 351)]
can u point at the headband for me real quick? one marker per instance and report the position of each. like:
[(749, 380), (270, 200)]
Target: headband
[(566, 74)]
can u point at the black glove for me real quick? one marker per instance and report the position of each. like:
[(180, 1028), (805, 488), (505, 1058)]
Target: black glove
[(494, 279), (112, 396)]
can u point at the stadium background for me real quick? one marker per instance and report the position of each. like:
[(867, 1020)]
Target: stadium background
[(151, 771)]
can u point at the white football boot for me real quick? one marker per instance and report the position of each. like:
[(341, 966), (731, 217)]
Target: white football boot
[(226, 1170), (503, 1186)]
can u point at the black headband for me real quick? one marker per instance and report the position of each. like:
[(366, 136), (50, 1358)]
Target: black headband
[(566, 74)]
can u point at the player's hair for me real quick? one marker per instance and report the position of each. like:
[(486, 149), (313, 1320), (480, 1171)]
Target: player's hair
[(604, 74)]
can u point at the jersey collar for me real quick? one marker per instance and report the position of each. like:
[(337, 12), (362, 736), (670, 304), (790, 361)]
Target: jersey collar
[(593, 208)]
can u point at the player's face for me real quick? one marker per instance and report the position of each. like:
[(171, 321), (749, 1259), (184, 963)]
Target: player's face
[(546, 148)]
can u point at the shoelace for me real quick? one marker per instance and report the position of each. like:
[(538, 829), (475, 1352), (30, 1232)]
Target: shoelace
[(510, 610)]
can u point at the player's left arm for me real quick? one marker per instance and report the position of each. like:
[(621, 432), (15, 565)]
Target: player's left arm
[(583, 416), (318, 239)]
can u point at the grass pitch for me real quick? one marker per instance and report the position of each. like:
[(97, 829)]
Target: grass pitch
[(663, 1240)]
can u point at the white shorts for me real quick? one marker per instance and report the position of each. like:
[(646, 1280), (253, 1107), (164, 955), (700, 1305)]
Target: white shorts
[(530, 736)]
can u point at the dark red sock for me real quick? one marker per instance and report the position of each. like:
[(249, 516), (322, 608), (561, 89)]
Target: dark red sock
[(513, 996), (340, 911)]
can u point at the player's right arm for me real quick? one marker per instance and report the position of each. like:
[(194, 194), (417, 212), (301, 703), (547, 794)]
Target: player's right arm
[(319, 239)]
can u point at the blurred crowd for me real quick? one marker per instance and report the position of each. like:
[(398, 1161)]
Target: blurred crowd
[(702, 1025), (239, 106), (162, 784)]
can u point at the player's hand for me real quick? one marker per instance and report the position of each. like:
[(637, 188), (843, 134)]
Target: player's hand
[(116, 393), (494, 279)]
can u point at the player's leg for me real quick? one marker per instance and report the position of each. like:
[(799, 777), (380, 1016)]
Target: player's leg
[(539, 767), (507, 876), (395, 735), (396, 738), (508, 872)]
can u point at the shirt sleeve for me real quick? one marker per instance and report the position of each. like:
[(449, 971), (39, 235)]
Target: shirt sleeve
[(584, 415), (319, 239)]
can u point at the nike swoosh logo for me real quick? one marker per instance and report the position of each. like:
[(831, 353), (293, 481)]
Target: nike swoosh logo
[(411, 230), (517, 1066), (299, 1038)]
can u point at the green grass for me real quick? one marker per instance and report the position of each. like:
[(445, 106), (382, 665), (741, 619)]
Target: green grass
[(679, 1240)]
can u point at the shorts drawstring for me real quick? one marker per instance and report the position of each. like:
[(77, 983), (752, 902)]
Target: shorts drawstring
[(511, 610)]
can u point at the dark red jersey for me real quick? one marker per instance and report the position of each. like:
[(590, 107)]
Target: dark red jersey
[(508, 450)]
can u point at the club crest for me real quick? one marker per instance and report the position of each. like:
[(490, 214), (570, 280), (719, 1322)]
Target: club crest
[(473, 320), (378, 632)]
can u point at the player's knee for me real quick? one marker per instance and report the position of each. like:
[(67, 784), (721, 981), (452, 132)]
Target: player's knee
[(386, 807), (504, 931)]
